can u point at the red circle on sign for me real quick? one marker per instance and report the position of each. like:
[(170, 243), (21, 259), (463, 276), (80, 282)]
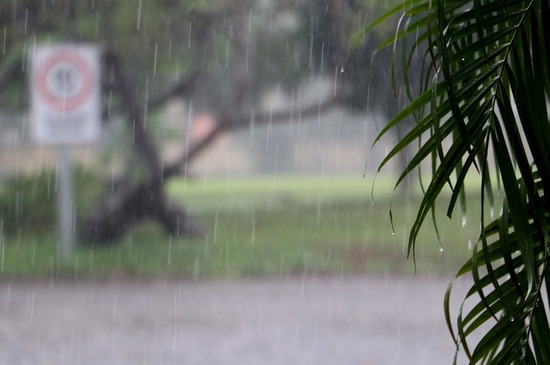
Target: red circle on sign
[(76, 99)]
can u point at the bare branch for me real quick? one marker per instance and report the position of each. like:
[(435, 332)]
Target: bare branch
[(183, 88), (229, 123)]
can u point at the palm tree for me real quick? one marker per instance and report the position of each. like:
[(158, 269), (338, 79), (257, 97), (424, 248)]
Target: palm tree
[(483, 108)]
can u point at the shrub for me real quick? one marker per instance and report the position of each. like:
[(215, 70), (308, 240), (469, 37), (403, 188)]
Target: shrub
[(28, 203)]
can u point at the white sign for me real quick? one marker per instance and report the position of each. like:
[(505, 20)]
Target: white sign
[(65, 95)]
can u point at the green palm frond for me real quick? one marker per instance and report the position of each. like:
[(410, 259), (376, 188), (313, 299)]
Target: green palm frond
[(486, 111)]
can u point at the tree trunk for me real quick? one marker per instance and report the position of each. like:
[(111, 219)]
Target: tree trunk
[(129, 204)]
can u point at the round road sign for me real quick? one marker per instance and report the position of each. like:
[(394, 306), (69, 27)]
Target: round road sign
[(66, 81)]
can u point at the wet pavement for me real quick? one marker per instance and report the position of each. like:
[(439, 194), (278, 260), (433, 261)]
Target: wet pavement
[(364, 321)]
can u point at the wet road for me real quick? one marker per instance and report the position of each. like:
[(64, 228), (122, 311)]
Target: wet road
[(289, 321)]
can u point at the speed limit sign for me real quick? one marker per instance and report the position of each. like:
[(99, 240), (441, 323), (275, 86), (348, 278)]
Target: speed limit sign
[(65, 93)]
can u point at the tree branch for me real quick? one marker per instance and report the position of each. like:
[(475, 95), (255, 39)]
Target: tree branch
[(183, 88), (136, 111), (228, 123)]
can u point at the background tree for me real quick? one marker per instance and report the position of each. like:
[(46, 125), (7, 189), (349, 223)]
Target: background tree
[(219, 56), (484, 96)]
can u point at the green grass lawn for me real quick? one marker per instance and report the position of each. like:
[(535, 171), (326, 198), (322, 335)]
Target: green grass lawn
[(261, 227)]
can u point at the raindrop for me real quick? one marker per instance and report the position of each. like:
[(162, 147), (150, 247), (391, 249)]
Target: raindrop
[(56, 176), (304, 279), (440, 249), (464, 220), (48, 184), (196, 268), (24, 57), (91, 268), (138, 20), (189, 38), (319, 115), (30, 307), (251, 124), (19, 204), (170, 250), (469, 245), (292, 107), (8, 298), (145, 107), (298, 102), (512, 319), (319, 208), (176, 302), (270, 122), (268, 132), (75, 268), (155, 59), (227, 54), (206, 249), (33, 254), (226, 254), (311, 51), (322, 56), (110, 103), (115, 308), (329, 255), (2, 245), (189, 122), (492, 212), (96, 30), (335, 82), (247, 57), (113, 179), (133, 131), (179, 294), (215, 227), (26, 20)]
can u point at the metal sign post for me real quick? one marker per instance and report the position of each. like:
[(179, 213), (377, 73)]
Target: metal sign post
[(65, 112), (65, 204)]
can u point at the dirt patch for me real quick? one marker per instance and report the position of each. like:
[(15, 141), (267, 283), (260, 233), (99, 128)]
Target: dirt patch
[(288, 321)]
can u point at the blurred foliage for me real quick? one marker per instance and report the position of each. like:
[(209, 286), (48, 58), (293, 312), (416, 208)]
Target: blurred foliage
[(160, 42), (284, 44), (256, 227), (482, 109), (30, 202), (141, 34), (241, 50)]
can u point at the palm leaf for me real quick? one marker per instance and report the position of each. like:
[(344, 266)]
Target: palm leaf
[(486, 111)]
